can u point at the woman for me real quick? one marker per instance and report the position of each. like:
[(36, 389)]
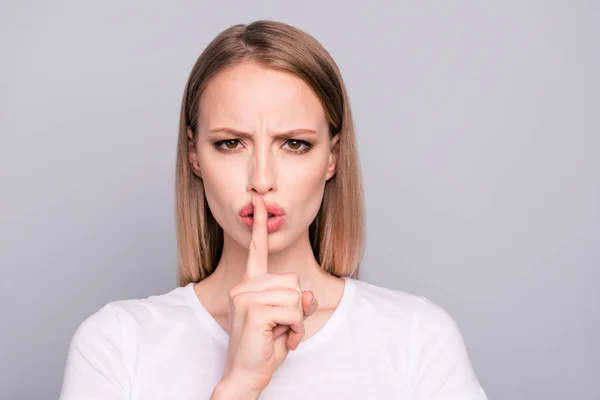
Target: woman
[(270, 235)]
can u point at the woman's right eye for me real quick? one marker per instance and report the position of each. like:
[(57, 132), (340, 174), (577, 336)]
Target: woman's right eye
[(230, 144)]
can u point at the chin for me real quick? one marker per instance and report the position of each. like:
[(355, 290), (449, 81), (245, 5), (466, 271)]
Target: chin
[(277, 241)]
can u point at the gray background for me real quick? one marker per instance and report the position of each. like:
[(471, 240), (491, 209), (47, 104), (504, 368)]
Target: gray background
[(479, 134)]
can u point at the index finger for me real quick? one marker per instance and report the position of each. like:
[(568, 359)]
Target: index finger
[(258, 252)]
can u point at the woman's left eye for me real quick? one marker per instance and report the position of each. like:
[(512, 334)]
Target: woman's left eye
[(296, 145)]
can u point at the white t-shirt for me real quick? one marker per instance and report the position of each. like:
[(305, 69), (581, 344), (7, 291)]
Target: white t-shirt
[(378, 344)]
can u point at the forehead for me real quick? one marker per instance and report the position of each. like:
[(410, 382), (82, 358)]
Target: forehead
[(249, 95)]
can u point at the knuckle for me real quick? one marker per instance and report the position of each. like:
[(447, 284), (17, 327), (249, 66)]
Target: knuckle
[(233, 292), (238, 301), (293, 279), (297, 314), (295, 295), (253, 315)]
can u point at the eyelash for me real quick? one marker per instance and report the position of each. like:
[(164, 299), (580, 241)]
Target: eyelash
[(307, 146)]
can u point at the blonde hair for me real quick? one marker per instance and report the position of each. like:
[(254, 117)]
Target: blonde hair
[(337, 232)]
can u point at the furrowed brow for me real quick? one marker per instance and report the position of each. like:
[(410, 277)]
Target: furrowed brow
[(287, 134)]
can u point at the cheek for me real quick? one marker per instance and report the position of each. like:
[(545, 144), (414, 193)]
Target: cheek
[(304, 181), (304, 188), (223, 187)]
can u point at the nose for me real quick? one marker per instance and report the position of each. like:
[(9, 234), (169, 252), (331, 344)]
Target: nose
[(262, 171)]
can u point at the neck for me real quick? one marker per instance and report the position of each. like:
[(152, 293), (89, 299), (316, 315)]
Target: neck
[(298, 258)]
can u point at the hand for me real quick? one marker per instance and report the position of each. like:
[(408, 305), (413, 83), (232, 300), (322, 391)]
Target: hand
[(266, 314)]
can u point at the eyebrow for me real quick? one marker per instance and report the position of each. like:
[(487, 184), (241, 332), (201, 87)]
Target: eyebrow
[(286, 134)]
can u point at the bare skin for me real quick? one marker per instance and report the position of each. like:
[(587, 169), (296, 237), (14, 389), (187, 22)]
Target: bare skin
[(318, 313), (263, 103)]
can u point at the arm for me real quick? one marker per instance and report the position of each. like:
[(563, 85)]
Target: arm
[(226, 390), (234, 386), (95, 367), (440, 366)]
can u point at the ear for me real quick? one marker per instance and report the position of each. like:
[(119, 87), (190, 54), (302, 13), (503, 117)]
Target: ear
[(193, 153), (333, 157)]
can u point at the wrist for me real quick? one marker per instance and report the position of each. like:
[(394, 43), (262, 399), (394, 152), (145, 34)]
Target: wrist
[(228, 390)]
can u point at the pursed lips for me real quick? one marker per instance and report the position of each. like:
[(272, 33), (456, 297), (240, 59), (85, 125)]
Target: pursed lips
[(273, 210)]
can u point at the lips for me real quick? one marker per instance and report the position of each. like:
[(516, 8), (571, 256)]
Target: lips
[(274, 210), (276, 216)]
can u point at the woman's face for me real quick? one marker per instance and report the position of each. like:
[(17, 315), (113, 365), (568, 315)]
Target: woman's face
[(242, 149)]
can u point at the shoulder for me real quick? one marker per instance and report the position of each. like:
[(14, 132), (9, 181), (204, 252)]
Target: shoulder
[(429, 338), (415, 321), (155, 307), (385, 302), (394, 302), (121, 318), (433, 320), (106, 346)]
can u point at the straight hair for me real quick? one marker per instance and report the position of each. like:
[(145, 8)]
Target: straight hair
[(337, 232)]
